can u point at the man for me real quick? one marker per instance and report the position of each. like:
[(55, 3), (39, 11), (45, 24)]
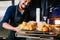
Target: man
[(14, 16)]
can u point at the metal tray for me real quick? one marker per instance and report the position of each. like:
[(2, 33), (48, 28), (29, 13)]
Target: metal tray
[(36, 33)]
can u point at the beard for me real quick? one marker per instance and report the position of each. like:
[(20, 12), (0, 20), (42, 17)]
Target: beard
[(24, 6)]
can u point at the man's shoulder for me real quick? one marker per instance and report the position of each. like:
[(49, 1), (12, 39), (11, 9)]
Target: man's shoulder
[(12, 7)]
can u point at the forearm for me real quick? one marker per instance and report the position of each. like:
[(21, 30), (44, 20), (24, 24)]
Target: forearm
[(8, 27)]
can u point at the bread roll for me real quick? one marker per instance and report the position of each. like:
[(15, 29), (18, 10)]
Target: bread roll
[(31, 25), (56, 29), (22, 26), (42, 27), (45, 29)]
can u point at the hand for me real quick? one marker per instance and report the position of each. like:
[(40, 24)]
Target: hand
[(17, 29)]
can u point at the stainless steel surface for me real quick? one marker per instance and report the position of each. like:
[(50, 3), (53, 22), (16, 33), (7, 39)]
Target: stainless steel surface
[(35, 38), (27, 36), (38, 36)]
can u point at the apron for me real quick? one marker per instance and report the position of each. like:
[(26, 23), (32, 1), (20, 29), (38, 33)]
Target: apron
[(17, 19)]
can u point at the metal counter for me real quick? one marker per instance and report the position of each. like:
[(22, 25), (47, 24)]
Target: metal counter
[(36, 36)]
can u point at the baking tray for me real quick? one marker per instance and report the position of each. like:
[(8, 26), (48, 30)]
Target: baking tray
[(36, 33)]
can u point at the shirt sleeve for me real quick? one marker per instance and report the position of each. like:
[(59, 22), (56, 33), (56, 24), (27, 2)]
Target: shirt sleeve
[(6, 16)]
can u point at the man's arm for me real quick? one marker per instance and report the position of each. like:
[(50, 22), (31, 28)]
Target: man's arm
[(5, 21), (8, 27)]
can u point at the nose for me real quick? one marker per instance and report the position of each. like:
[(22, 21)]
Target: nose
[(26, 3)]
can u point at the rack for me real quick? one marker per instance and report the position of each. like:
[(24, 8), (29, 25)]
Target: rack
[(36, 35)]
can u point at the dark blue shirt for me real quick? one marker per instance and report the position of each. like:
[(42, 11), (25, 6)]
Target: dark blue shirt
[(14, 17)]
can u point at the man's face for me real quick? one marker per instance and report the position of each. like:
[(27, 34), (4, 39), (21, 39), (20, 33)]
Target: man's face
[(24, 3)]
